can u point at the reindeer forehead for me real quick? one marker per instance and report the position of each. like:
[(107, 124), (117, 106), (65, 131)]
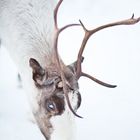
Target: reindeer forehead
[(52, 70)]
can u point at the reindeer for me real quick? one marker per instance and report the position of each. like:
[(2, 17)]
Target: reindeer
[(29, 31)]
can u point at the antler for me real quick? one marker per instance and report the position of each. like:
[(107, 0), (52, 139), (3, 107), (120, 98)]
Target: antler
[(58, 31), (88, 34)]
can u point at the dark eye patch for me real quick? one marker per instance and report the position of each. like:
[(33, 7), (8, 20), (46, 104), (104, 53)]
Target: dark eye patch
[(55, 105), (60, 104)]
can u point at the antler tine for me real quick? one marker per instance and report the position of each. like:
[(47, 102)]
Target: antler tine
[(88, 34), (98, 81), (58, 31), (84, 42), (129, 21)]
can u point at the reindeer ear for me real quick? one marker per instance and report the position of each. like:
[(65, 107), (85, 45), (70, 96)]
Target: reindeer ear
[(38, 71), (73, 66)]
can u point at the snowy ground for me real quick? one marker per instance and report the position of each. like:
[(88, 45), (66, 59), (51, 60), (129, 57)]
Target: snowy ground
[(112, 55)]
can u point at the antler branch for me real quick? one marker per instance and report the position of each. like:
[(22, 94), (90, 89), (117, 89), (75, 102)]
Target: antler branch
[(88, 34), (97, 81), (58, 31)]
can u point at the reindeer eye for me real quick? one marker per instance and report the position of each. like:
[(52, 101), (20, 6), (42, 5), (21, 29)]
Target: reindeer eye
[(50, 105)]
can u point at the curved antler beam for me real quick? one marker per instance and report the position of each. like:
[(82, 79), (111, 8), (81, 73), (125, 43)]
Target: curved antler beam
[(64, 81)]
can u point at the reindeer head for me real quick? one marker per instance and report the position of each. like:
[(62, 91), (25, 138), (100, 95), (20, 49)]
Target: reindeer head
[(52, 100), (50, 84), (58, 83)]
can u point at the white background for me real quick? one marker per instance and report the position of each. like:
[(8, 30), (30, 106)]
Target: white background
[(112, 55)]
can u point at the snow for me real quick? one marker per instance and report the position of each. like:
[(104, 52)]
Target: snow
[(111, 55)]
